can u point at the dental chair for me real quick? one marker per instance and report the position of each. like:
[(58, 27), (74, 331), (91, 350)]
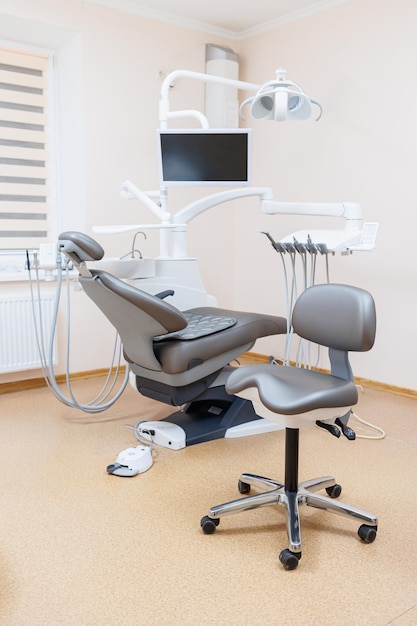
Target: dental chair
[(178, 358), (342, 318)]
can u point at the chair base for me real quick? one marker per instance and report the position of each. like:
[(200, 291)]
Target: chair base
[(291, 494), (206, 420), (211, 414)]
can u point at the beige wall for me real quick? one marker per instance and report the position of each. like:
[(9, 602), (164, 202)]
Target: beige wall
[(358, 59), (110, 133)]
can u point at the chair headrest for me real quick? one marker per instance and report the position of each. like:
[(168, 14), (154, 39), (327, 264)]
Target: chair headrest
[(79, 247)]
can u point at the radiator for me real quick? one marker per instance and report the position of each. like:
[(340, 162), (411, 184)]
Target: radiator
[(18, 347)]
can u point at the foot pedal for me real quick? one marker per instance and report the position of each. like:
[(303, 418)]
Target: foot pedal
[(348, 432), (331, 428)]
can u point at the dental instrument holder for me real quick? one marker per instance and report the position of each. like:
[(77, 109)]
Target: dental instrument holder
[(340, 426)]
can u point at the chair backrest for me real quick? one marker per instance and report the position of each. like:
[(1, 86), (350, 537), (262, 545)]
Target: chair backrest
[(136, 315), (341, 317)]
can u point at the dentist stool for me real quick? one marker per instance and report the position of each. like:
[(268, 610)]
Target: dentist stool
[(343, 318)]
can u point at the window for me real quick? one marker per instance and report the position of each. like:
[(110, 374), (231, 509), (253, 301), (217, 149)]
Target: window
[(25, 189)]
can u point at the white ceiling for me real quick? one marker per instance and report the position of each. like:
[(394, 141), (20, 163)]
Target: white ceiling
[(232, 18)]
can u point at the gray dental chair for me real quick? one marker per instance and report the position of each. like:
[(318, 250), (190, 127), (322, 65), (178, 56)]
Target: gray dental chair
[(342, 318), (178, 358)]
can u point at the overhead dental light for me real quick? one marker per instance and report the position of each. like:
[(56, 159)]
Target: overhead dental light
[(280, 100)]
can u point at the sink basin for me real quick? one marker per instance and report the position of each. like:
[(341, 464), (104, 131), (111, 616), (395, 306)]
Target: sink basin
[(128, 268)]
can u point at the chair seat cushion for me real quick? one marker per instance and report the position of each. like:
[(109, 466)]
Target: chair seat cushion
[(293, 390), (176, 355), (199, 325)]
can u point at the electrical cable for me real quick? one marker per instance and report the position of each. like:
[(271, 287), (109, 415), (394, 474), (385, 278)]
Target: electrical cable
[(377, 428), (288, 310), (327, 267), (381, 435), (138, 434), (147, 440), (104, 393), (293, 294)]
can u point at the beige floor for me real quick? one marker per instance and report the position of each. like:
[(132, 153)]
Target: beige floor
[(81, 547)]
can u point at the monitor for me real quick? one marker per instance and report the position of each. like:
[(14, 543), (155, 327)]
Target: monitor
[(204, 157)]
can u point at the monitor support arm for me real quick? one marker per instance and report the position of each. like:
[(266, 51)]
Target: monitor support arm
[(189, 212)]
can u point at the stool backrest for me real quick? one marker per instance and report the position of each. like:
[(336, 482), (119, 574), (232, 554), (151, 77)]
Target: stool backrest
[(338, 316)]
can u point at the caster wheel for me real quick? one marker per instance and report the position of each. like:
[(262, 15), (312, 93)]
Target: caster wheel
[(289, 559), (243, 487), (367, 533), (335, 491), (209, 525)]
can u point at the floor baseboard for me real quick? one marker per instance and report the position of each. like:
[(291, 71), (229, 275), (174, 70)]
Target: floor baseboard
[(244, 359), (35, 383)]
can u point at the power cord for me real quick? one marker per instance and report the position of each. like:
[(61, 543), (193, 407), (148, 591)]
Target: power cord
[(377, 428), (143, 435), (362, 421)]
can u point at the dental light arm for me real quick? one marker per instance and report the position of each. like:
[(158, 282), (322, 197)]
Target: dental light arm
[(165, 114), (193, 113), (279, 99)]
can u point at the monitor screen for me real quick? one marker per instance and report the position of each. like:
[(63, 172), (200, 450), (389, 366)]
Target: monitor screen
[(205, 157)]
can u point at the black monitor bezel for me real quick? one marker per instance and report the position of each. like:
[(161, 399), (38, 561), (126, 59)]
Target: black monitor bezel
[(229, 181)]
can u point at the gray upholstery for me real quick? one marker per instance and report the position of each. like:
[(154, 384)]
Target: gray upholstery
[(176, 356), (342, 318), (337, 316), (200, 325), (79, 247), (139, 317), (168, 365), (291, 390)]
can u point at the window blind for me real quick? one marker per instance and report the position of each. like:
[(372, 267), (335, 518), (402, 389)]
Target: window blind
[(24, 174)]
